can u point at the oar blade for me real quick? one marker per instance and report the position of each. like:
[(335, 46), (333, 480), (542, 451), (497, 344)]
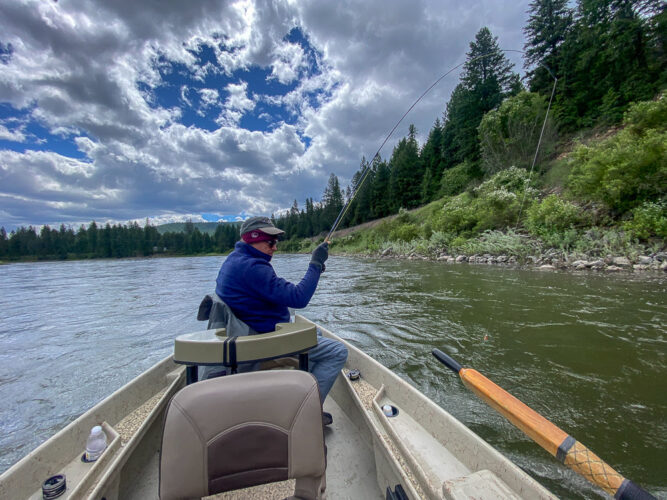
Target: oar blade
[(446, 360)]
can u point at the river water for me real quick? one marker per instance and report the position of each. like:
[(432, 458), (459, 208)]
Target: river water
[(588, 351)]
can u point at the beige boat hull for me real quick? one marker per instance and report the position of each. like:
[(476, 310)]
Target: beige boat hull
[(423, 448)]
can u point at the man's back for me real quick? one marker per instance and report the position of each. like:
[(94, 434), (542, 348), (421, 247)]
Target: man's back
[(248, 284)]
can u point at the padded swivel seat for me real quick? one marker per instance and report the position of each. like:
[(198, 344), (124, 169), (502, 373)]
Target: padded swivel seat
[(234, 432)]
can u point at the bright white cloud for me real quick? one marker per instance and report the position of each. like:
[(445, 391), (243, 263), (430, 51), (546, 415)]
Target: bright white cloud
[(209, 98), (16, 135), (238, 98), (236, 105), (290, 60)]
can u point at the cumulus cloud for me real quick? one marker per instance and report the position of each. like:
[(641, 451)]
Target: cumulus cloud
[(118, 88), (290, 60), (209, 98), (236, 105), (15, 135)]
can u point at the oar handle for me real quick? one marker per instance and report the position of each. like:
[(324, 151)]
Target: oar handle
[(550, 437), (586, 463)]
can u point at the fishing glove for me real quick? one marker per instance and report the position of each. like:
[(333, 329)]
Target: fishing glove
[(320, 255)]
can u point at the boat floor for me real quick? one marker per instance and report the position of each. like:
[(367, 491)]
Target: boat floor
[(350, 468)]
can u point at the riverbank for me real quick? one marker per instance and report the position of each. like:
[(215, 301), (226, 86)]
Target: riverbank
[(551, 261), (529, 255), (411, 235), (609, 250)]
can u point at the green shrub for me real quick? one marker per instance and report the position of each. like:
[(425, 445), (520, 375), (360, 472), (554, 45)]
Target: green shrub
[(367, 241), (565, 240), (497, 243), (404, 232), (626, 170), (403, 216), (509, 134), (499, 199), (647, 115), (648, 220), (458, 214), (552, 215), (290, 246), (440, 240), (494, 204), (600, 242), (456, 179), (426, 230), (513, 179)]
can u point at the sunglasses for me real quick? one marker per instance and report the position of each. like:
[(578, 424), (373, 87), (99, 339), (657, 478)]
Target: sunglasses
[(272, 243)]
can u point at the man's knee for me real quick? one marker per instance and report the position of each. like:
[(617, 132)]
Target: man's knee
[(330, 349), (341, 352)]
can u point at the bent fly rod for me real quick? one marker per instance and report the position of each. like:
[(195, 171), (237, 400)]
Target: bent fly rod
[(367, 168), (557, 442)]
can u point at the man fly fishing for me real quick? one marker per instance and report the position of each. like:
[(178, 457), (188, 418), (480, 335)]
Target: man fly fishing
[(249, 286)]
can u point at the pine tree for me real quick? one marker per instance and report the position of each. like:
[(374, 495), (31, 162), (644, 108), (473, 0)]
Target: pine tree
[(4, 242), (380, 200), (45, 242), (487, 72), (332, 201), (486, 80), (362, 211), (92, 238), (548, 24), (406, 172), (431, 159), (604, 61), (462, 117)]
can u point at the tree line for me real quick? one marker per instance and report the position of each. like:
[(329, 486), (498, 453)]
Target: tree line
[(114, 241)]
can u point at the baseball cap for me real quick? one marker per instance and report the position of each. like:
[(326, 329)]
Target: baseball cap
[(262, 224)]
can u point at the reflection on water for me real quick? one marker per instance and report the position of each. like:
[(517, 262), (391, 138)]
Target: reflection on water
[(587, 351)]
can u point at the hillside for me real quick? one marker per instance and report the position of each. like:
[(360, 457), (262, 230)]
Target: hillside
[(598, 201)]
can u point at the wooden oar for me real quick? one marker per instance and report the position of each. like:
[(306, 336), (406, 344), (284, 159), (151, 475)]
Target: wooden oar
[(556, 441)]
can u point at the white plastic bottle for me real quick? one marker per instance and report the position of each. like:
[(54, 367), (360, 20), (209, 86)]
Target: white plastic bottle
[(97, 443)]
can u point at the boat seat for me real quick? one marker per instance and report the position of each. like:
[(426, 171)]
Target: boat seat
[(235, 432), (215, 348)]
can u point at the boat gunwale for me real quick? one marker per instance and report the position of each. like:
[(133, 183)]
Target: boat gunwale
[(28, 469), (115, 467)]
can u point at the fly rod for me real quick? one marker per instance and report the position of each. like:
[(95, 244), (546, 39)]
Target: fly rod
[(367, 168), (557, 442)]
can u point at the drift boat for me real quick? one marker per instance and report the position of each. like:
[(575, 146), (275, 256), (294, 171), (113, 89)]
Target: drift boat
[(415, 450)]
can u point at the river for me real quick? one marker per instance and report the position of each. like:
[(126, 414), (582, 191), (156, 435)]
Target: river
[(588, 351)]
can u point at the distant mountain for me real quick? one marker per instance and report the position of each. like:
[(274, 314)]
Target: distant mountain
[(204, 227)]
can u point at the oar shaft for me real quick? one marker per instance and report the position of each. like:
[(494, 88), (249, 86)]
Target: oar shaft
[(538, 428), (549, 436)]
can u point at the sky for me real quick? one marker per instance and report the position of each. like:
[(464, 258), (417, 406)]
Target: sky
[(172, 110)]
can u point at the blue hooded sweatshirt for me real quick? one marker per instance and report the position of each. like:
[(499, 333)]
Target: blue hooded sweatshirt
[(248, 284)]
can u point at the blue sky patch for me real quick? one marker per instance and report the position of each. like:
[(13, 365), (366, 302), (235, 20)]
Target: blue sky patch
[(35, 136)]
